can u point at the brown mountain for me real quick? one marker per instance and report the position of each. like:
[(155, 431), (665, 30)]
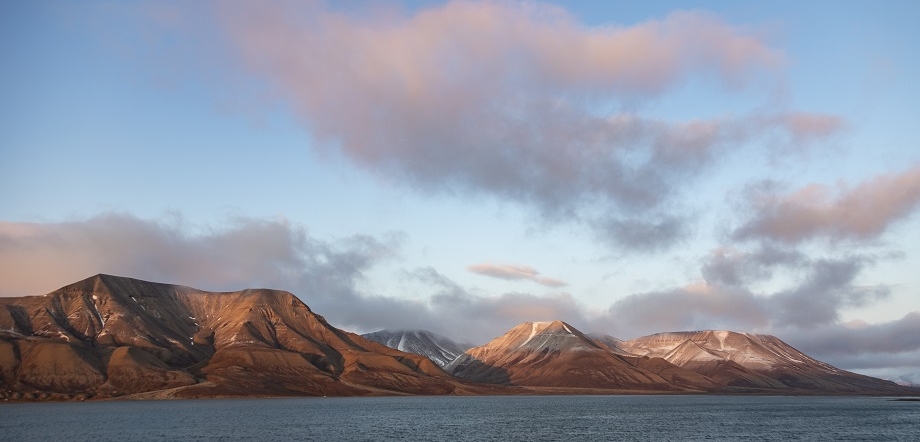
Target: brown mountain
[(110, 336), (750, 362), (555, 354)]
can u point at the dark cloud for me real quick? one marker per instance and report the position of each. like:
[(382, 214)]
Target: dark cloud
[(819, 291), (863, 212), (643, 233), (827, 289), (861, 345), (855, 339), (732, 267)]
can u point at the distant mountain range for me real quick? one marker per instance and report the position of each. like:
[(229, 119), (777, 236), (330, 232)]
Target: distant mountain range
[(555, 354), (441, 350), (110, 336)]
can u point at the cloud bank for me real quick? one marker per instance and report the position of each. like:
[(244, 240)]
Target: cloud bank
[(38, 258)]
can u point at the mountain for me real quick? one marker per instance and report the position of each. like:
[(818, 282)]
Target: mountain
[(744, 361), (554, 354), (441, 350), (109, 336)]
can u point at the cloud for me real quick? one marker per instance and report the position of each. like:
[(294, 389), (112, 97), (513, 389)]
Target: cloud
[(793, 130), (860, 213), (514, 272), (803, 126), (693, 307), (248, 253), (819, 290), (480, 318), (514, 100), (865, 346), (732, 267), (649, 234), (840, 339), (327, 275), (827, 289)]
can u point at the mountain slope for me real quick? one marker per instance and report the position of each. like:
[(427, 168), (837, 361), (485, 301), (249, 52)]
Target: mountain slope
[(553, 354), (752, 361), (441, 350), (109, 336)]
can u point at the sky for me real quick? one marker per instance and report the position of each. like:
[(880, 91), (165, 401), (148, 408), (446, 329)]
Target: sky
[(465, 166)]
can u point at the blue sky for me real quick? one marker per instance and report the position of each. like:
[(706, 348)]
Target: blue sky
[(466, 166)]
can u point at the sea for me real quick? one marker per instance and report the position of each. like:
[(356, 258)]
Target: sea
[(478, 418)]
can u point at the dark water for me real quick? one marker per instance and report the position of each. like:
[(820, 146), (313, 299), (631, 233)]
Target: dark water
[(492, 418)]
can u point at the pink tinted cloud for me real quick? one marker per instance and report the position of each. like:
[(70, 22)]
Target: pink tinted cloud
[(515, 272), (691, 307), (38, 258), (502, 99), (862, 212), (804, 126)]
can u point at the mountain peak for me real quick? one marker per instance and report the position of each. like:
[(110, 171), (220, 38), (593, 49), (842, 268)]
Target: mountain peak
[(552, 354), (551, 335)]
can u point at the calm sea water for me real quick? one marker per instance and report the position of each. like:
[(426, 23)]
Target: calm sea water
[(490, 418)]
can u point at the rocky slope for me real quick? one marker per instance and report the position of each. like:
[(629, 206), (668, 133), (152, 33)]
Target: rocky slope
[(109, 336), (440, 349), (753, 362)]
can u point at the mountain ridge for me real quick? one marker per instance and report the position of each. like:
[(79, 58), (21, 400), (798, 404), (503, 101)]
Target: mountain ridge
[(554, 354), (752, 361), (112, 337)]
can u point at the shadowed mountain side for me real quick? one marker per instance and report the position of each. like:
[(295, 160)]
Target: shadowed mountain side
[(109, 336), (468, 367), (677, 376)]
